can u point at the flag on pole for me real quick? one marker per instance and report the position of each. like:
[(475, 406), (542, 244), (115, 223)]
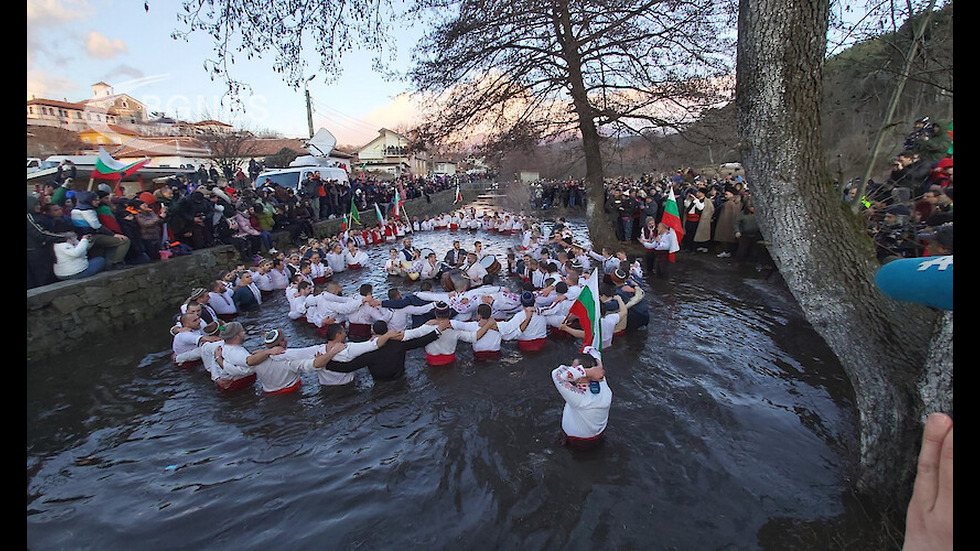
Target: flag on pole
[(107, 168), (354, 218), (672, 217), (588, 310), (398, 205), (459, 196), (377, 210), (343, 225)]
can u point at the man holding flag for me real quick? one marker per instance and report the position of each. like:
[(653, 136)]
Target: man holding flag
[(459, 196), (664, 240), (588, 399), (583, 383)]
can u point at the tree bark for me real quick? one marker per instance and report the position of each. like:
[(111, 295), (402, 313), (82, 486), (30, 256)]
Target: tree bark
[(601, 231), (821, 250)]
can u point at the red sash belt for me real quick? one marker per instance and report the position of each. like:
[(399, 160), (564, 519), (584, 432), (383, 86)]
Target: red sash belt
[(486, 355), (579, 443), (239, 384), (439, 359), (288, 389), (187, 364), (533, 345)]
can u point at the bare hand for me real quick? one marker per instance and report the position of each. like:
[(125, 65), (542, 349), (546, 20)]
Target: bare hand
[(929, 519)]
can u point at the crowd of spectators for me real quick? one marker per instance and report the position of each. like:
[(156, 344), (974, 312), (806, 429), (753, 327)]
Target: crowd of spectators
[(910, 214), (73, 232), (717, 212)]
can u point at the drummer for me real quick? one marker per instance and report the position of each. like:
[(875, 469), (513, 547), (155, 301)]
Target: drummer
[(474, 270), (431, 267)]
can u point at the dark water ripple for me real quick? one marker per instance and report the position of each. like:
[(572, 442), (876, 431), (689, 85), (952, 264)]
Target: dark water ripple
[(730, 415)]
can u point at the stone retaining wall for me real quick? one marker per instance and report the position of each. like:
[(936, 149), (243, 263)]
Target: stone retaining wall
[(62, 315)]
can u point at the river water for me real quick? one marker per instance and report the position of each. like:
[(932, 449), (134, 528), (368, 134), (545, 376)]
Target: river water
[(732, 427)]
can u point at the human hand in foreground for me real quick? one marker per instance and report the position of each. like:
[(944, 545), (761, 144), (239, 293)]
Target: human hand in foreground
[(929, 519)]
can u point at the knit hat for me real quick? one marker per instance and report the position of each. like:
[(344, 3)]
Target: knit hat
[(442, 309), (198, 292), (147, 198), (231, 330), (527, 299), (271, 336)]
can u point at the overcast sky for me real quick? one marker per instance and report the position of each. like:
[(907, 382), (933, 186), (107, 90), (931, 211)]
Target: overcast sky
[(72, 44)]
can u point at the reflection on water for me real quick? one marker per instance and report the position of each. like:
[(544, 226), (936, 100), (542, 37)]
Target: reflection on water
[(729, 417)]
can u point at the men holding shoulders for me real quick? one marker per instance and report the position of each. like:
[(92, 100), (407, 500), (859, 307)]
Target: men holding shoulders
[(527, 327), (387, 362), (442, 351), (187, 341), (235, 365), (487, 346), (331, 373), (281, 371)]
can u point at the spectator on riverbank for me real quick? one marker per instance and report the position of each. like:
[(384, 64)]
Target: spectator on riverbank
[(85, 219)]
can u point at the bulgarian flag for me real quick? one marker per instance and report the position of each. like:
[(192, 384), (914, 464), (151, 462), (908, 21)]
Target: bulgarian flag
[(377, 210), (588, 310), (343, 225), (672, 217), (398, 204), (107, 168), (459, 196), (354, 218)]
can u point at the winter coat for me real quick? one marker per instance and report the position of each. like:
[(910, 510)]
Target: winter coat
[(725, 228), (703, 233)]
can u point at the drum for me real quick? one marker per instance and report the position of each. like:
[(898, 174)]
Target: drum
[(455, 280), (490, 264)]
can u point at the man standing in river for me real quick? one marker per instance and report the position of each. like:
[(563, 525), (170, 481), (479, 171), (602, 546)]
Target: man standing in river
[(587, 401)]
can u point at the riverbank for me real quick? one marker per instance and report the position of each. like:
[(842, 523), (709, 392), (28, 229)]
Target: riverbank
[(62, 316)]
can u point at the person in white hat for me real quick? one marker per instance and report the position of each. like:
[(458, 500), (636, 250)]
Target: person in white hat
[(281, 372)]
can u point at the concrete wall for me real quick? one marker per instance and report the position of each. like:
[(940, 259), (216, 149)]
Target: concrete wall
[(62, 315)]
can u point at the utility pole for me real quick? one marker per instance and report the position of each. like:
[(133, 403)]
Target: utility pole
[(309, 109)]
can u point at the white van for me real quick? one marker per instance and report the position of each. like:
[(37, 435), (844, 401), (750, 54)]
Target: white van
[(322, 143), (292, 176)]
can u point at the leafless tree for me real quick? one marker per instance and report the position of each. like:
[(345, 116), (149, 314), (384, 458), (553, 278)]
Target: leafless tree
[(514, 73)]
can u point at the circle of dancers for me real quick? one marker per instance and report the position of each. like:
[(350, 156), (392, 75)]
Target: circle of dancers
[(528, 294)]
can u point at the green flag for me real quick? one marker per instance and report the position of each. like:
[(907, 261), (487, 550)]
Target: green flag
[(354, 218)]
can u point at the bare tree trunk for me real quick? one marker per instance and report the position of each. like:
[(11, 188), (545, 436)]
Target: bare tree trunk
[(820, 249), (601, 231)]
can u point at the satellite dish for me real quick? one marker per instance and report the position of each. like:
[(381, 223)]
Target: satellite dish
[(322, 143)]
